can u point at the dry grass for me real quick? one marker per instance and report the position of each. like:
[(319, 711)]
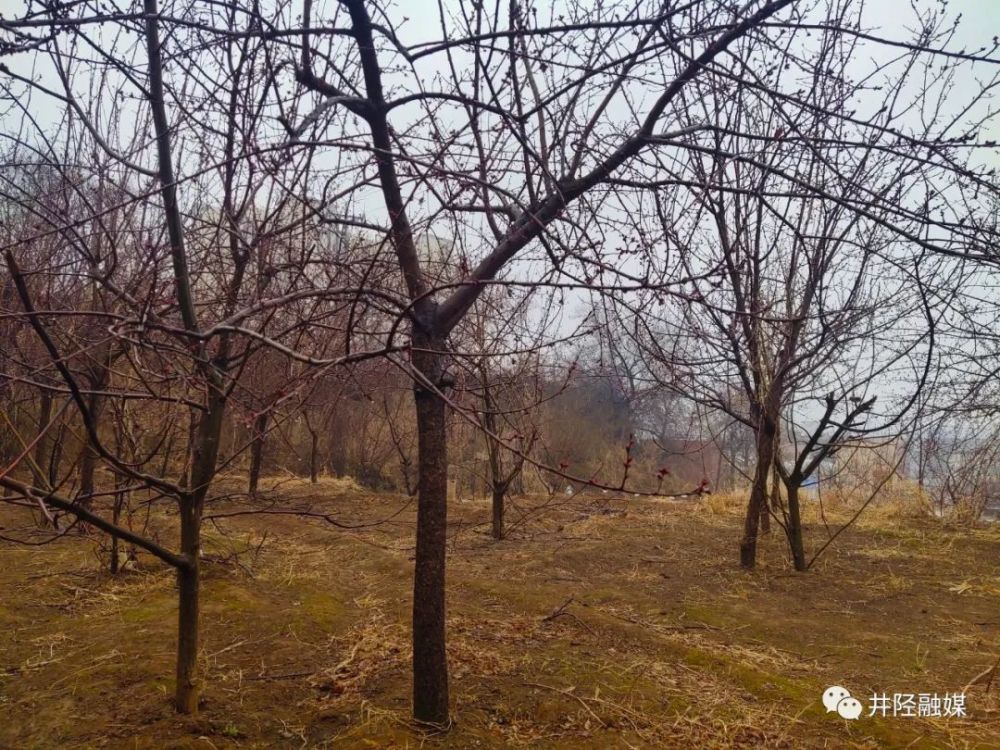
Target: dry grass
[(663, 641)]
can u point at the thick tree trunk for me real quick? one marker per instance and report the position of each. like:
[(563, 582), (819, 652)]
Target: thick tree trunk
[(188, 677), (430, 664), (499, 493), (204, 454), (257, 450), (795, 527), (758, 493)]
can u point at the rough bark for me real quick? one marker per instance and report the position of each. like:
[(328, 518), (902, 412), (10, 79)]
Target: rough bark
[(430, 664)]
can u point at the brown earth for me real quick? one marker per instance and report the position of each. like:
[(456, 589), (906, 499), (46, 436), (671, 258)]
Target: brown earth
[(599, 623)]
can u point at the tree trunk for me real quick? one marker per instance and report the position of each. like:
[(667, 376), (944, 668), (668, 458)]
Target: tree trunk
[(766, 446), (42, 446), (499, 492), (795, 526), (88, 462), (88, 465), (313, 457), (116, 512), (55, 456), (495, 483), (113, 566), (770, 502), (257, 450), (338, 459), (188, 677), (9, 449), (430, 663), (204, 454)]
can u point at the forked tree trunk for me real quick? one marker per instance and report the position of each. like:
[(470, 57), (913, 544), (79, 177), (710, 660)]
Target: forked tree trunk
[(257, 450), (430, 663), (766, 447)]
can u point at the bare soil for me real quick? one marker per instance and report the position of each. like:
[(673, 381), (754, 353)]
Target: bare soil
[(601, 622)]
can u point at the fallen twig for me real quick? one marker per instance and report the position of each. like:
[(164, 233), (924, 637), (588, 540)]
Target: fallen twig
[(572, 695), (986, 676), (560, 611), (284, 676)]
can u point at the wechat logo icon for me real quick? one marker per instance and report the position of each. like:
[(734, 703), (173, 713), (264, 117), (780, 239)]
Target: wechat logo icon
[(839, 700)]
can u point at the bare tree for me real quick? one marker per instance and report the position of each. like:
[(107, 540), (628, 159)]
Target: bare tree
[(559, 158), (197, 239), (808, 252), (530, 143), (499, 349)]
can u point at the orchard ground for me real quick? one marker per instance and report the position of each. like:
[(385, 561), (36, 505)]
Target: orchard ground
[(601, 622)]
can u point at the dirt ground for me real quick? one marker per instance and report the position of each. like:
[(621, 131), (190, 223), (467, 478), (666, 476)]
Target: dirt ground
[(599, 623)]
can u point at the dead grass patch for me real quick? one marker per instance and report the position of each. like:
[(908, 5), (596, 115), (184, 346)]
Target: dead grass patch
[(661, 641)]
